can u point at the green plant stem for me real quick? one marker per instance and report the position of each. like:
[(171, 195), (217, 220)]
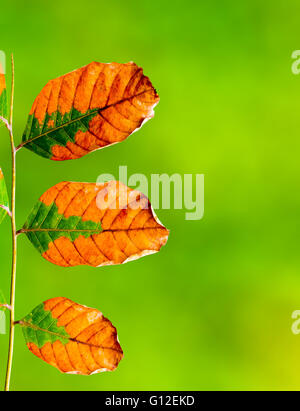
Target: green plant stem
[(14, 240)]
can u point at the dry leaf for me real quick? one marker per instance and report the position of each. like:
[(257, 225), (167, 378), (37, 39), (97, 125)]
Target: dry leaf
[(89, 224), (87, 109), (71, 337)]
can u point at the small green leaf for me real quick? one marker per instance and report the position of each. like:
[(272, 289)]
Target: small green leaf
[(4, 203)]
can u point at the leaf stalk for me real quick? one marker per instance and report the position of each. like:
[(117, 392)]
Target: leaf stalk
[(6, 209), (8, 307)]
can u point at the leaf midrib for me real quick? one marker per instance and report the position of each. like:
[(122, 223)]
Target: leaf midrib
[(36, 328), (78, 230), (24, 143), (28, 230)]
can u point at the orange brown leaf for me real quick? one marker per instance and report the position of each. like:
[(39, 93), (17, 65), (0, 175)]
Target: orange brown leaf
[(71, 337), (88, 109), (94, 224)]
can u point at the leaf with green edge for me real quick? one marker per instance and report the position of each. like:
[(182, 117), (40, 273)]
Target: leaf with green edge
[(4, 202), (71, 337), (3, 95), (94, 224), (88, 109)]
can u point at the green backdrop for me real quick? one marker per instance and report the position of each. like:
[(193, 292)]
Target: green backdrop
[(213, 309)]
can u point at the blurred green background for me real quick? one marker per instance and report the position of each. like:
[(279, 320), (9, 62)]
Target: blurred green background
[(213, 309)]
